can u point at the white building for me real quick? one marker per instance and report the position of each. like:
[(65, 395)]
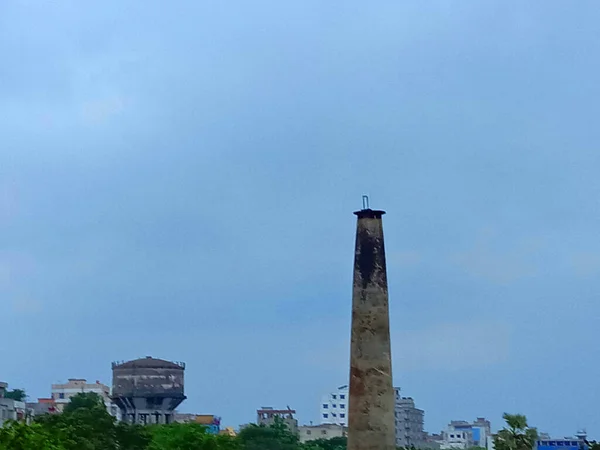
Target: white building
[(62, 393), (408, 418), (308, 433), (460, 434), (334, 407)]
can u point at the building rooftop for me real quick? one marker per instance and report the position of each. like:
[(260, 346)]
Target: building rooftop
[(149, 363), (275, 411)]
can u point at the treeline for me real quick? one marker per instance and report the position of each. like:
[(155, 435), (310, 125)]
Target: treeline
[(85, 424)]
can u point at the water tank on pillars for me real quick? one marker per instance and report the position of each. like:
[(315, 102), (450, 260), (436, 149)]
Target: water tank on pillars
[(148, 390)]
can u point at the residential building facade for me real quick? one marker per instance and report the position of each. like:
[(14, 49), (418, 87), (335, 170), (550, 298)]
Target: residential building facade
[(324, 431), (579, 442), (334, 407), (211, 422), (12, 409), (268, 416), (62, 393), (43, 406), (460, 434), (409, 420), (565, 444)]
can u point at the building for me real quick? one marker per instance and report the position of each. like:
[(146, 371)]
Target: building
[(228, 431), (268, 416), (334, 407), (580, 442), (408, 419), (62, 394), (432, 440), (148, 390), (12, 409), (210, 422), (461, 434), (43, 406), (324, 431), (564, 443)]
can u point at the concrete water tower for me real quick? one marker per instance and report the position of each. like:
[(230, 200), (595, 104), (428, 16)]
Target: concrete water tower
[(148, 390)]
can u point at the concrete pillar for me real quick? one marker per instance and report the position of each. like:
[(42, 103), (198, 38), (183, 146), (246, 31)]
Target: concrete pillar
[(371, 404)]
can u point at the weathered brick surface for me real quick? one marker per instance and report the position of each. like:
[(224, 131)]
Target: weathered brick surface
[(371, 405)]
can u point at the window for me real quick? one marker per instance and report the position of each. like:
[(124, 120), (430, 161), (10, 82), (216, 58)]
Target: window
[(342, 396), (324, 432), (325, 416), (343, 416), (325, 406), (334, 406), (308, 432), (334, 396), (451, 435), (334, 415), (342, 406), (61, 395)]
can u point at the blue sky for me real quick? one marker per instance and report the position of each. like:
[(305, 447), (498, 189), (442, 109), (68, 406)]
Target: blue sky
[(177, 179)]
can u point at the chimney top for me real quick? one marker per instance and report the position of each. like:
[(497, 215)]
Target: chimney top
[(366, 212), (369, 214)]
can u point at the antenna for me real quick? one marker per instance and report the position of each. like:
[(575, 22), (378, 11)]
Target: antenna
[(365, 200)]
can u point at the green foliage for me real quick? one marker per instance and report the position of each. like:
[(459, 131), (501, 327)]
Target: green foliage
[(19, 436), (274, 437), (132, 437), (85, 424), (517, 435), (90, 401), (336, 443), (188, 436), (18, 395)]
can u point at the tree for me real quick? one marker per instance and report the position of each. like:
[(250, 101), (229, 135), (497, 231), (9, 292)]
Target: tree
[(85, 424), (188, 436), (336, 443), (274, 437), (88, 401), (18, 395), (19, 436), (517, 436), (132, 437)]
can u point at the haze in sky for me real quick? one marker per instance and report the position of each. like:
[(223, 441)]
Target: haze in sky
[(177, 179)]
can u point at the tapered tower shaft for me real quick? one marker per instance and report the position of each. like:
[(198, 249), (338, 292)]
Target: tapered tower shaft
[(371, 407)]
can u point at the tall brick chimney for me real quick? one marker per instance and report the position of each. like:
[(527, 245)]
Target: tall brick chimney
[(371, 407)]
